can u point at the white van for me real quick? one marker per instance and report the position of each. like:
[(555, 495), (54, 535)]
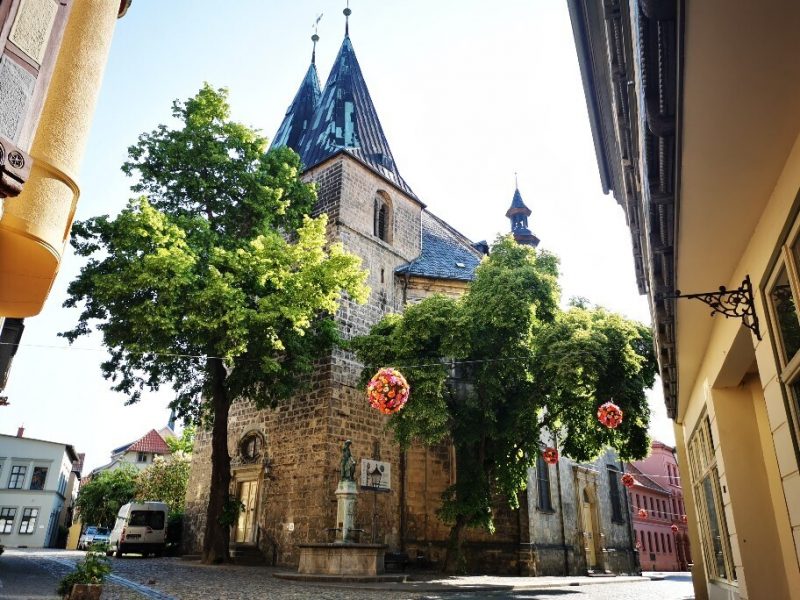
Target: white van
[(141, 527)]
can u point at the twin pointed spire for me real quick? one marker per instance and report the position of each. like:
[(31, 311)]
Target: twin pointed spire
[(341, 118)]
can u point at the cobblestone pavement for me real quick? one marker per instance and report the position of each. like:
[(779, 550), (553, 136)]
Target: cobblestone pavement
[(137, 578)]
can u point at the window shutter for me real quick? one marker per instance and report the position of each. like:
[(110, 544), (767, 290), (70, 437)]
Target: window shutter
[(30, 37)]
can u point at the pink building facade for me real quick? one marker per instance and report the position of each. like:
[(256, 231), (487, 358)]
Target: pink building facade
[(659, 514)]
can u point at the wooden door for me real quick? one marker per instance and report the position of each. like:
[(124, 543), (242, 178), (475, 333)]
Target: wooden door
[(589, 534), (245, 525)]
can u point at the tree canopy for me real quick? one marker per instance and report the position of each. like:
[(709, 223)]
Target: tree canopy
[(214, 280), (100, 499), (165, 480), (494, 369)]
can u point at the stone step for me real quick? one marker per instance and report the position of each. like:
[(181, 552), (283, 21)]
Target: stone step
[(247, 555)]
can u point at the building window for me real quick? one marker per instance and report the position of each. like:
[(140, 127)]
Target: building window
[(663, 543), (7, 519), (781, 295), (17, 478), (705, 482), (641, 534), (638, 504), (141, 457), (543, 501), (383, 217), (38, 478), (28, 522), (649, 542), (616, 501), (669, 544), (658, 547)]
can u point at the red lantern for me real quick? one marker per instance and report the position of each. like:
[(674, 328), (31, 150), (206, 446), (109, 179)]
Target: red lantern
[(638, 545), (684, 518), (628, 481), (610, 415), (674, 528), (388, 391), (550, 455), (642, 513)]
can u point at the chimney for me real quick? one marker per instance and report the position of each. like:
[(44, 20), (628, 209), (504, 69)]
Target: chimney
[(20, 431)]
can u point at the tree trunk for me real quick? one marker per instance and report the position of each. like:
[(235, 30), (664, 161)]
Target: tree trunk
[(217, 535), (454, 560)]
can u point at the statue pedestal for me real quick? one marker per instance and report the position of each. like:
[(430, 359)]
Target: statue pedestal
[(346, 496)]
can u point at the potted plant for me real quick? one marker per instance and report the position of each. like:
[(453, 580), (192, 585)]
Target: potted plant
[(86, 581)]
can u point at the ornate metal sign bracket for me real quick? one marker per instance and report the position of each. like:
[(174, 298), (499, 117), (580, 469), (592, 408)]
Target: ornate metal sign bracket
[(731, 303)]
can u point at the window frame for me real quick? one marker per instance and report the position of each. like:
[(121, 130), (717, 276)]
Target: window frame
[(18, 477), (30, 514), (7, 526), (703, 467), (543, 477), (33, 478), (615, 495)]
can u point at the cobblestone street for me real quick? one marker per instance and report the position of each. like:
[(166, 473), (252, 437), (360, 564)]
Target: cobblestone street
[(28, 574)]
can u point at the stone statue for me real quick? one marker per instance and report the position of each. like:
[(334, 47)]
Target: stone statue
[(348, 464)]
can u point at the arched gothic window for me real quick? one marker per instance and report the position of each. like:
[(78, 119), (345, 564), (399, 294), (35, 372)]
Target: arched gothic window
[(383, 218)]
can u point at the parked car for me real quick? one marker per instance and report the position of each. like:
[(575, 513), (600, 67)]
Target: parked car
[(93, 534), (141, 527)]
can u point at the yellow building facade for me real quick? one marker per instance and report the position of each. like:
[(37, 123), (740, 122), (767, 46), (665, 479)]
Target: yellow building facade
[(695, 112), (52, 57)]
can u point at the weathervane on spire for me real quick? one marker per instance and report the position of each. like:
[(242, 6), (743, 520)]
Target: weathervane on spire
[(347, 12), (315, 39), (516, 180)]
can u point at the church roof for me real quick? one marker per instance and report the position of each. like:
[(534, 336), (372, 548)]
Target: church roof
[(446, 254), (300, 113), (346, 120), (517, 205)]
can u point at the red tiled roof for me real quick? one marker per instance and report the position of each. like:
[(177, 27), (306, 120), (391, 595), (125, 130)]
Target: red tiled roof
[(151, 442)]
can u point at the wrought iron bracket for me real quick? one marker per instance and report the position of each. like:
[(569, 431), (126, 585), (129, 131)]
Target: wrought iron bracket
[(730, 303)]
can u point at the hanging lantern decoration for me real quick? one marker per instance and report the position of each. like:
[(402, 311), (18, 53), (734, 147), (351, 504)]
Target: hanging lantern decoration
[(684, 518), (550, 455), (642, 512), (628, 481), (638, 545), (610, 415), (674, 528), (388, 391)]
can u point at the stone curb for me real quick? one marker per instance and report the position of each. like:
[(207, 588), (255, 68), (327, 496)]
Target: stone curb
[(426, 587)]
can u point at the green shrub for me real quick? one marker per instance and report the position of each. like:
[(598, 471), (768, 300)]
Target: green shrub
[(94, 568)]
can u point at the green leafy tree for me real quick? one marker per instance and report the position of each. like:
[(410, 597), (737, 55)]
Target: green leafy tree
[(215, 280), (490, 370), (165, 481), (185, 443), (100, 499)]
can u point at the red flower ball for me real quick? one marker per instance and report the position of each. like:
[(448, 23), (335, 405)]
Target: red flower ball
[(674, 528), (610, 415), (628, 481), (388, 391), (642, 513), (550, 455), (684, 518)]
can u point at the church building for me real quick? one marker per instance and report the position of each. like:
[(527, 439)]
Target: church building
[(284, 461)]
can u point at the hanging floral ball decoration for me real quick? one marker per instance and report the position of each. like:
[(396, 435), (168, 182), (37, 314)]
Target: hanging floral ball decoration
[(674, 528), (388, 391), (684, 518), (642, 513), (550, 455), (610, 415)]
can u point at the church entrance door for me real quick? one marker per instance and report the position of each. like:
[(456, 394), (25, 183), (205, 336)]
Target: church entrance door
[(246, 492), (589, 532)]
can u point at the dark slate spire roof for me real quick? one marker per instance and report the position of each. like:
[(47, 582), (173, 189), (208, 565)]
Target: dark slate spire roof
[(446, 254), (346, 120), (517, 205), (300, 113)]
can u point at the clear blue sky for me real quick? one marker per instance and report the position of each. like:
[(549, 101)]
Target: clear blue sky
[(468, 93)]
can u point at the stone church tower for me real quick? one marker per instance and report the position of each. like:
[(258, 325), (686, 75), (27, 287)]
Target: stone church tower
[(285, 461)]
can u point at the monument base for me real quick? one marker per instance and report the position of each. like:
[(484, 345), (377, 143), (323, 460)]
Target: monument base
[(342, 559)]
